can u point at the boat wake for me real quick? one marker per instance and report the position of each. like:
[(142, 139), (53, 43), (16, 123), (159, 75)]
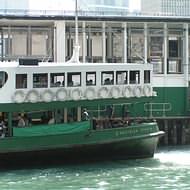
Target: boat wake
[(175, 155)]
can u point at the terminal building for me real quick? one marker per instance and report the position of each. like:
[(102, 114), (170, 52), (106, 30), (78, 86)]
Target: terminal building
[(162, 41)]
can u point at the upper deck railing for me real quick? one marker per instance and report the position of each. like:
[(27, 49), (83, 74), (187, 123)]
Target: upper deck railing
[(85, 13)]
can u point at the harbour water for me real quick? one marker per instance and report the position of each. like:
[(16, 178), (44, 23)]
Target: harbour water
[(168, 170)]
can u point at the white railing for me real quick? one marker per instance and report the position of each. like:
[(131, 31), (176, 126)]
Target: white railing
[(157, 107)]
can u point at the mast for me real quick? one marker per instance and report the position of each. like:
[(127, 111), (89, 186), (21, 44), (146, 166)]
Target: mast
[(75, 56), (76, 23)]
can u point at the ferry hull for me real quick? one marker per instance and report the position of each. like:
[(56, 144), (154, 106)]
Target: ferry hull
[(121, 148)]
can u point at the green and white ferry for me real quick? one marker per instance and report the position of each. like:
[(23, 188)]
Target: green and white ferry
[(42, 103), (46, 90)]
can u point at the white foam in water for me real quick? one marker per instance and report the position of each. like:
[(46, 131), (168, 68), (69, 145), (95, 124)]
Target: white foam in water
[(174, 157)]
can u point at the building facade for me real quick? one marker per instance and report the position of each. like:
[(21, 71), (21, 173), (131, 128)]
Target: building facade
[(89, 5), (166, 7), (151, 7), (104, 5), (9, 4)]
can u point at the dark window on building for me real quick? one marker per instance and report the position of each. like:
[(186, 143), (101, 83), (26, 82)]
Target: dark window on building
[(69, 48), (173, 48), (121, 77), (90, 78), (40, 80), (107, 78), (57, 79), (74, 79), (146, 76), (134, 77), (21, 81)]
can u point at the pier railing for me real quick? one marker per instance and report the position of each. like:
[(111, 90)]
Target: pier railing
[(157, 107)]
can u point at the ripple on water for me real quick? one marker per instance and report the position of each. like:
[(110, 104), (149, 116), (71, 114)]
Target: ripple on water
[(169, 169)]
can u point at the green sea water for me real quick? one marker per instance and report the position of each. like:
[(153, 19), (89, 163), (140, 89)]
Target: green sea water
[(168, 170)]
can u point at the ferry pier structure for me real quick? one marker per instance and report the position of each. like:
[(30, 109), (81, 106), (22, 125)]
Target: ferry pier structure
[(162, 41)]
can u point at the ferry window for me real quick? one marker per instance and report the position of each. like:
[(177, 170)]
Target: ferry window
[(121, 77), (107, 77), (21, 81), (40, 80), (57, 79), (74, 79), (146, 76), (90, 78), (3, 78), (134, 77)]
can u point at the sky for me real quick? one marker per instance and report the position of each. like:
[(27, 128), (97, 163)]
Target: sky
[(134, 4), (68, 4)]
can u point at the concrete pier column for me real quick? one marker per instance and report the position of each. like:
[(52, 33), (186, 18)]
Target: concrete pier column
[(29, 42), (110, 44), (165, 48), (186, 53), (174, 137), (183, 135), (89, 45), (59, 41), (83, 42), (145, 42), (186, 59), (166, 132), (70, 43), (125, 42), (103, 42), (65, 115)]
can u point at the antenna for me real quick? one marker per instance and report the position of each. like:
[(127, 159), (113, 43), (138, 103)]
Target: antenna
[(76, 23), (75, 56)]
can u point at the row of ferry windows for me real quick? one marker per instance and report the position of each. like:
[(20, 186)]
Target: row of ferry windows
[(40, 80)]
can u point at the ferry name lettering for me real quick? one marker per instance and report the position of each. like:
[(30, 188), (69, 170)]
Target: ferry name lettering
[(127, 132), (133, 131)]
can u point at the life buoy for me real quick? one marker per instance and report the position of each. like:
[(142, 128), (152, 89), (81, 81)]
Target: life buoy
[(61, 94), (33, 96), (115, 92), (103, 92), (90, 93), (47, 95), (19, 96), (154, 93), (147, 90), (76, 94), (137, 91), (127, 92)]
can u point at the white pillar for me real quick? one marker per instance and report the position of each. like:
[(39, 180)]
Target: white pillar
[(59, 41), (145, 42), (165, 48), (186, 54), (83, 42), (125, 42), (103, 42)]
